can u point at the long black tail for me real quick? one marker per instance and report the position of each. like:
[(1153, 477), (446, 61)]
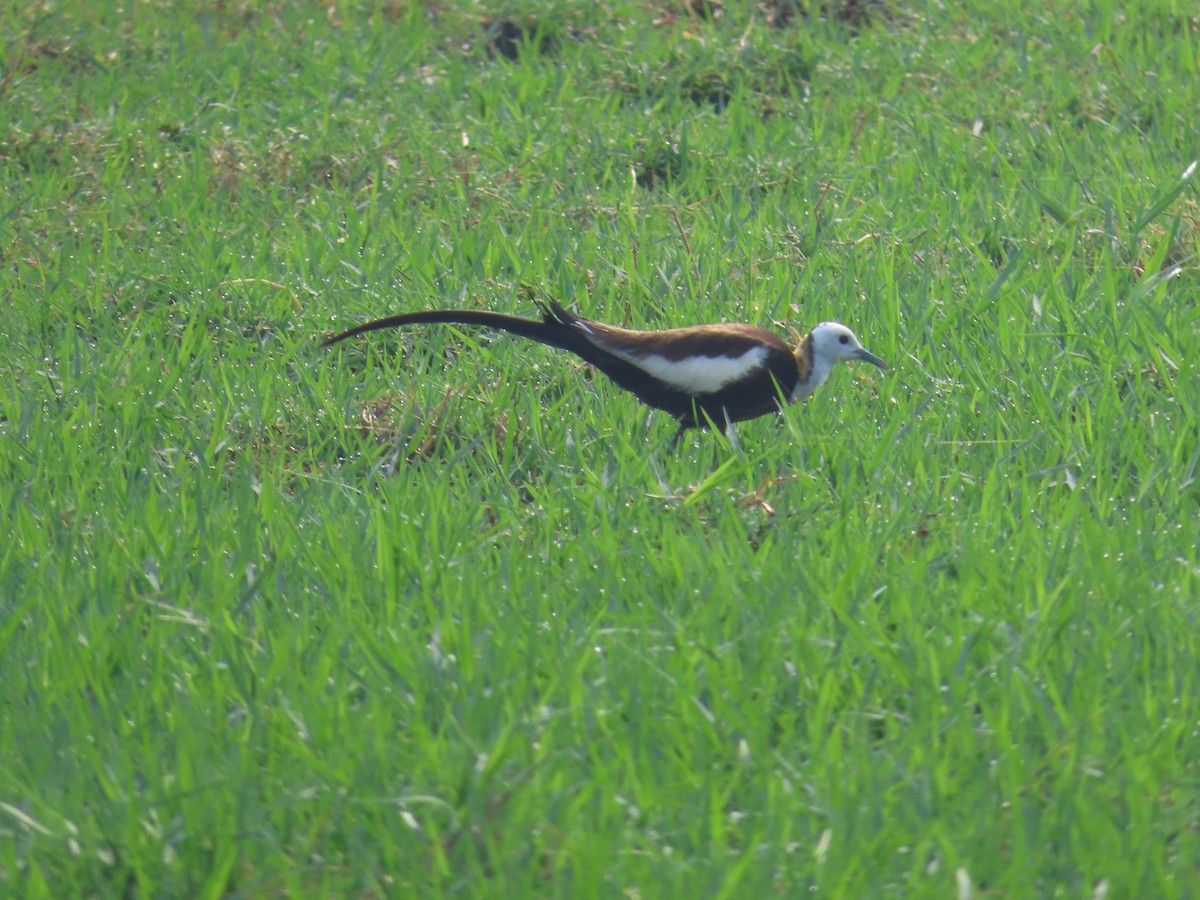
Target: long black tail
[(555, 327), (558, 328)]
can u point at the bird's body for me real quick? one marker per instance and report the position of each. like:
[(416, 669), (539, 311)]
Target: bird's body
[(701, 374)]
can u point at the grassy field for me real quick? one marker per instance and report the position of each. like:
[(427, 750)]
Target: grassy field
[(436, 613)]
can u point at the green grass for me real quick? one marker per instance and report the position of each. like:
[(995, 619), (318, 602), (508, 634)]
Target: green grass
[(435, 613)]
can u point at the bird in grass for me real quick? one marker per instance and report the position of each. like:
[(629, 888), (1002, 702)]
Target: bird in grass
[(702, 375)]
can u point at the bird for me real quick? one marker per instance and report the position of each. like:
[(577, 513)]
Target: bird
[(701, 375)]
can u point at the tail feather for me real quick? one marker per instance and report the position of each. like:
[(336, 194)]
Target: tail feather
[(546, 331), (557, 328)]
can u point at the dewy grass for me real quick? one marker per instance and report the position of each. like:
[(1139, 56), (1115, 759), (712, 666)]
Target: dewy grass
[(436, 613)]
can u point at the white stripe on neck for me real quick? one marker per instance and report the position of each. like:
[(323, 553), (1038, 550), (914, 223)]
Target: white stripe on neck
[(821, 367)]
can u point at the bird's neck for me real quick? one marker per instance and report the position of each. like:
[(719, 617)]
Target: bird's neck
[(812, 369)]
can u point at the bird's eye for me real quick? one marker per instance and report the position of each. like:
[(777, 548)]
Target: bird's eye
[(844, 339)]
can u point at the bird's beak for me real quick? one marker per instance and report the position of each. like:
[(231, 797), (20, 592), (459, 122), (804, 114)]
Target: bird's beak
[(867, 356)]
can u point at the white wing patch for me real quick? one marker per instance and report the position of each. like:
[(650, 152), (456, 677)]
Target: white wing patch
[(698, 374)]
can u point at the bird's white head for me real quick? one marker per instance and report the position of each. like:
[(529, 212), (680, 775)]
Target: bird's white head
[(833, 342), (825, 346)]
